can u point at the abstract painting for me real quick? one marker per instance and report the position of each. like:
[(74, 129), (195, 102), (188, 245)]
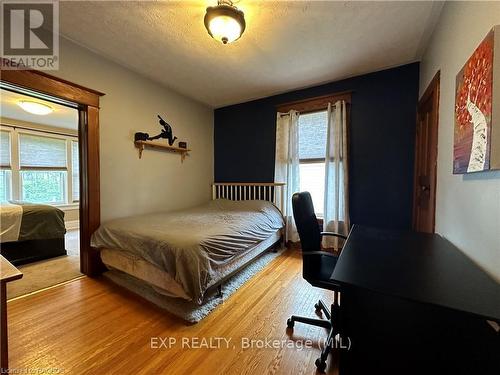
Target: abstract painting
[(474, 109)]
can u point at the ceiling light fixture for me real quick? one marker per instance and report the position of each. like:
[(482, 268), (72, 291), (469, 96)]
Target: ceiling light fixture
[(35, 107), (225, 22)]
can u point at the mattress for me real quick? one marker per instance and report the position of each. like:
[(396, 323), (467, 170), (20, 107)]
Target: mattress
[(193, 246), (165, 284)]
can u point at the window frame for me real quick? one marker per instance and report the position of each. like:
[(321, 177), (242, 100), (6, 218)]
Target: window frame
[(10, 166), (8, 185), (317, 104), (16, 170), (69, 151)]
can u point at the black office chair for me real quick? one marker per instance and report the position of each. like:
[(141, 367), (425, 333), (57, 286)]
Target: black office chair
[(317, 267)]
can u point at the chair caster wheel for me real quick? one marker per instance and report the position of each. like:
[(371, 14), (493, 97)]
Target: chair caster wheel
[(320, 365), (290, 323), (317, 306)]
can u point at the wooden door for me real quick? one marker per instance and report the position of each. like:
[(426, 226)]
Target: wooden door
[(424, 196)]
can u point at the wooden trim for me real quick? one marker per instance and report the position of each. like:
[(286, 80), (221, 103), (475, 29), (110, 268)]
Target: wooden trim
[(430, 89), (317, 103), (54, 86), (435, 90), (436, 82), (7, 273), (90, 201), (4, 338), (87, 101)]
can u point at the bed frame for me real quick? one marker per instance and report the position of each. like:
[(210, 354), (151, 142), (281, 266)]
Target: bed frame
[(273, 192), (24, 252)]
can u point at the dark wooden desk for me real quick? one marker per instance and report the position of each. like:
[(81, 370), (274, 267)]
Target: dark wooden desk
[(7, 273), (418, 295)]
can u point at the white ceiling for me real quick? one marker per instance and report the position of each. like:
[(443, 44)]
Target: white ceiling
[(62, 116), (286, 44)]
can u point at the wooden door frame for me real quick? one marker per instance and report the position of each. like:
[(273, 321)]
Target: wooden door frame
[(433, 87), (88, 133)]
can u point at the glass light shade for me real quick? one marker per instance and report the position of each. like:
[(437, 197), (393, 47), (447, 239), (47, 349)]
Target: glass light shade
[(35, 107), (224, 29), (225, 23)]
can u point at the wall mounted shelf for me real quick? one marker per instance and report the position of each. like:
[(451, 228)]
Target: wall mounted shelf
[(141, 145)]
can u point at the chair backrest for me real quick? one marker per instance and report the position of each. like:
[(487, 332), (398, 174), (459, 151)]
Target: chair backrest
[(306, 222)]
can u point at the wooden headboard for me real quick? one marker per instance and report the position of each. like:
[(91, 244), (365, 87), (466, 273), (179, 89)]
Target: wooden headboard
[(244, 191)]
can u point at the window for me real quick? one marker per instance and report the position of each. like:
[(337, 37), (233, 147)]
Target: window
[(43, 168), (5, 166), (75, 171), (312, 146)]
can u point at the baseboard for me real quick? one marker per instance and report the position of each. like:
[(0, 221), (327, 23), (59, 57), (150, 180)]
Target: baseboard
[(72, 224)]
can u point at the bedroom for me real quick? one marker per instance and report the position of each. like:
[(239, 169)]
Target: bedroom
[(39, 190), (127, 63)]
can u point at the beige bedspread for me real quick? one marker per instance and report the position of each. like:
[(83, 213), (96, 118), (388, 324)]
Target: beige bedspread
[(192, 244)]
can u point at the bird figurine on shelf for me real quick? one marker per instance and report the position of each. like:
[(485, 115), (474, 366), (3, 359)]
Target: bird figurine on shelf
[(166, 132)]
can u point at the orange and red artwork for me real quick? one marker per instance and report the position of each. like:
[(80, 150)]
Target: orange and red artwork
[(473, 110)]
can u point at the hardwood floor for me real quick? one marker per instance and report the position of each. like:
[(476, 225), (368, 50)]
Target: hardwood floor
[(92, 326)]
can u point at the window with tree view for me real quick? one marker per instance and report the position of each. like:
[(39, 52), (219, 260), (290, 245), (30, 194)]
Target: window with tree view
[(43, 170), (312, 146)]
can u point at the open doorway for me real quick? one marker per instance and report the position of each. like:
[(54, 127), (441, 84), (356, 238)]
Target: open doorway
[(39, 188), (88, 131)]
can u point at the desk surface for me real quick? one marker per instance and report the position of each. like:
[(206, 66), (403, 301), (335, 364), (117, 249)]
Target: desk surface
[(425, 268), (7, 271)]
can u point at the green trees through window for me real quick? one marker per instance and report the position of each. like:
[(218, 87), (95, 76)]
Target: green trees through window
[(38, 167), (43, 186)]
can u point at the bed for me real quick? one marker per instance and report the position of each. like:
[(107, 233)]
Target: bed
[(184, 253), (31, 232)]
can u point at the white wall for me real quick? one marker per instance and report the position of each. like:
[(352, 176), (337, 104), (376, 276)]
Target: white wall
[(158, 181), (468, 206)]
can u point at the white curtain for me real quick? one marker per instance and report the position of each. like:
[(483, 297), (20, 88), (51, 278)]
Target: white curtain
[(287, 165), (336, 210)]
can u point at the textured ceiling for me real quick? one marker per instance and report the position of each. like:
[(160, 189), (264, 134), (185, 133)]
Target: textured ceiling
[(286, 45), (61, 117)]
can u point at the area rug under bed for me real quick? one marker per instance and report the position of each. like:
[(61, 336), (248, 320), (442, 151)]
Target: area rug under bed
[(187, 310)]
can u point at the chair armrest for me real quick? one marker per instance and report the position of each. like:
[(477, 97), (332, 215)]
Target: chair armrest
[(325, 253), (334, 235)]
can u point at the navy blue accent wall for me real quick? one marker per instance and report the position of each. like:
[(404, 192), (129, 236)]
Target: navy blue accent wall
[(382, 136)]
